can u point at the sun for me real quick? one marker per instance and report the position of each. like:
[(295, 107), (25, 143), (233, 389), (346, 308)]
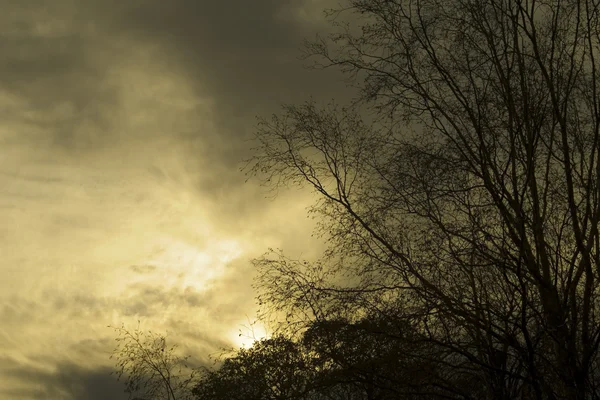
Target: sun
[(245, 334)]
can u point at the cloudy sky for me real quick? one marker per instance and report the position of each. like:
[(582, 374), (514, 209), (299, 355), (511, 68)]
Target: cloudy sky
[(123, 125)]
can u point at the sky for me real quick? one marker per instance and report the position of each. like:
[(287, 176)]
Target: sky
[(123, 127)]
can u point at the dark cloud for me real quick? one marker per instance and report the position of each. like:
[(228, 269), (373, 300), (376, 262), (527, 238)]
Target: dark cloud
[(52, 70), (85, 384), (67, 381), (244, 54)]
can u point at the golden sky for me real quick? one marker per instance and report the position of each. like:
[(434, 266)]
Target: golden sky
[(122, 130)]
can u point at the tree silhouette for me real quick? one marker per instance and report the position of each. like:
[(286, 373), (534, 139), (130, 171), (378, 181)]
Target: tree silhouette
[(271, 369), (150, 369), (338, 360), (461, 191), (377, 359)]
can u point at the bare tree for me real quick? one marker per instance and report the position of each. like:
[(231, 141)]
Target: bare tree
[(469, 203), (151, 370)]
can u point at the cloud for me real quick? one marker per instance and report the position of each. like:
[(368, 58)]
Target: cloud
[(244, 55), (122, 129), (61, 64), (143, 269), (53, 78), (85, 384), (66, 381)]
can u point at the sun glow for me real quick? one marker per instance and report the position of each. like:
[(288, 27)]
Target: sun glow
[(247, 333), (182, 264)]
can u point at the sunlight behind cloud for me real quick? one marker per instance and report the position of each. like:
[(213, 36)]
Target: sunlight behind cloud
[(185, 265)]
